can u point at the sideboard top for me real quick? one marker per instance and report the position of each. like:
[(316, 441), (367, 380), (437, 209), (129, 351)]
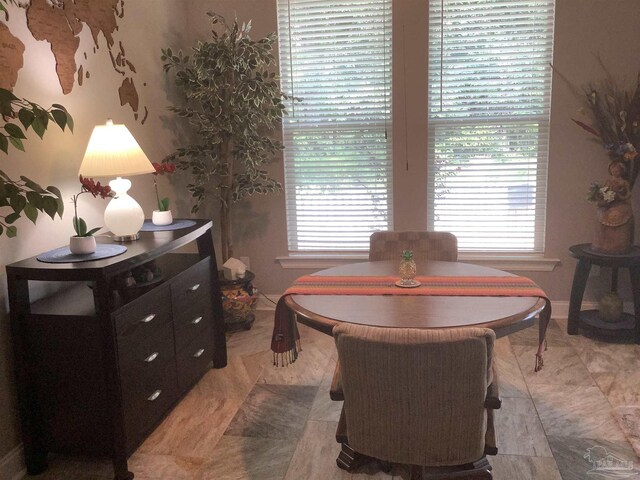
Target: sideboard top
[(150, 245)]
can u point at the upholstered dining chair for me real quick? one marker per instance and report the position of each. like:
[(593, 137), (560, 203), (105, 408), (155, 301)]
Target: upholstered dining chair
[(418, 397), (385, 245)]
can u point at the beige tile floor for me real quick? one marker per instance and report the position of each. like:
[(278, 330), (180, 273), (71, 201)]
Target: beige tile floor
[(254, 421)]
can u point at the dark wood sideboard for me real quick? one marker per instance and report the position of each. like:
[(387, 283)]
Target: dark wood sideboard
[(97, 369)]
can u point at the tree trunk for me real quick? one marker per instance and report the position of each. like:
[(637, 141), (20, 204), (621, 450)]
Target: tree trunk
[(226, 149), (225, 232)]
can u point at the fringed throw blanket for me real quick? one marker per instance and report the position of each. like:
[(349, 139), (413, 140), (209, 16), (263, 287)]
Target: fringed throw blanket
[(285, 342)]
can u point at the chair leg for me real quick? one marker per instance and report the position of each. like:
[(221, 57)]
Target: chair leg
[(478, 470), (348, 459)]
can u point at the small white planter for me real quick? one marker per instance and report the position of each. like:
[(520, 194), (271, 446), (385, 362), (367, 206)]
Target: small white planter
[(162, 218), (82, 245)]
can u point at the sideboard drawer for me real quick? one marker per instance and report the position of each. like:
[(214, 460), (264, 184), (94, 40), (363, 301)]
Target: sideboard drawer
[(143, 317), (143, 361), (193, 360), (192, 322), (146, 400), (191, 287)]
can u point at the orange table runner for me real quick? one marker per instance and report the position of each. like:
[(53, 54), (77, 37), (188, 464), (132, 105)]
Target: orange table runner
[(285, 342)]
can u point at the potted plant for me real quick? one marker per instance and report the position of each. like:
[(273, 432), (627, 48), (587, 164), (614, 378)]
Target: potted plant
[(162, 216), (83, 242), (234, 105)]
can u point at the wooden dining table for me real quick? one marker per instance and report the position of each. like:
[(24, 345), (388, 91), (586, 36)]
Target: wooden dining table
[(503, 314)]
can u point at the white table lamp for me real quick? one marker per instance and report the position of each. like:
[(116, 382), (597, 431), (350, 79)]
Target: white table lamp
[(112, 151)]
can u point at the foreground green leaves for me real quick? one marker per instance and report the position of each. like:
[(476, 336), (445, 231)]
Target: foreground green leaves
[(24, 197)]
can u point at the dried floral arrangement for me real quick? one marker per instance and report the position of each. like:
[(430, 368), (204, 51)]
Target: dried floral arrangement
[(614, 116)]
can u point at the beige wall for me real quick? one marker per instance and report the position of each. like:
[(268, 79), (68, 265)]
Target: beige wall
[(582, 28)]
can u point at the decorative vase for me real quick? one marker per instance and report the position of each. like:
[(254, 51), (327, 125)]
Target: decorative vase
[(614, 231), (162, 217), (407, 269), (82, 245), (610, 308), (239, 300)]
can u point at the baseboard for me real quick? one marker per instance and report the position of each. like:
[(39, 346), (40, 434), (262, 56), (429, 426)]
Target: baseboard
[(12, 465)]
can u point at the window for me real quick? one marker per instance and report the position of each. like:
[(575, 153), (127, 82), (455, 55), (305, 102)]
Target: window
[(335, 57), (488, 126)]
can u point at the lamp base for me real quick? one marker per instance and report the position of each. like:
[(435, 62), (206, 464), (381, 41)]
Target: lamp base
[(126, 238), (123, 216)]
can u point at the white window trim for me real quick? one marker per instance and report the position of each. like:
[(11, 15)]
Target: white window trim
[(510, 262)]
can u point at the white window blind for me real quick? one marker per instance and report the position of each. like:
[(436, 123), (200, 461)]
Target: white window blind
[(489, 101), (335, 57)]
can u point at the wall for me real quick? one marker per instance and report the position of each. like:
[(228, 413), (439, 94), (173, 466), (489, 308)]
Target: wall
[(147, 26)]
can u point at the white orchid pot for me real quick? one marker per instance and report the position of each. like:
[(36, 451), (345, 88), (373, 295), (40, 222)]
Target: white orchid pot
[(162, 218), (82, 245)]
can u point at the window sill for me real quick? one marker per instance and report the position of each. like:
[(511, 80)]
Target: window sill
[(510, 262)]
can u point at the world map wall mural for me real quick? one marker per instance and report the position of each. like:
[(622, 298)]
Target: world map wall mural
[(59, 23)]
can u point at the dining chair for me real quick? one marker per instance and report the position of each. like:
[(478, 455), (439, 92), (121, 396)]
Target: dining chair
[(388, 245), (419, 397)]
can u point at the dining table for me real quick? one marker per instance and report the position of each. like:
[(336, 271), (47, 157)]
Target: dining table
[(504, 313)]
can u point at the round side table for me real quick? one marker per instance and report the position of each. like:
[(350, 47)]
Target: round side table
[(628, 326)]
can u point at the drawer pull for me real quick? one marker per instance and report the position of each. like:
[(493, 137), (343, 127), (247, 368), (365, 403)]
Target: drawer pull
[(196, 321), (151, 357), (148, 318), (154, 395), (198, 353), (194, 287)]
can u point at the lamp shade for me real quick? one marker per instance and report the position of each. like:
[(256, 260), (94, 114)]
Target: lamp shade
[(112, 151)]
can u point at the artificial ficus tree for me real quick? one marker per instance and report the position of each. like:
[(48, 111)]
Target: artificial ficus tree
[(234, 103)]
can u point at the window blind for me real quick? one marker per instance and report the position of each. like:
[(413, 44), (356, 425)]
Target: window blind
[(489, 100), (335, 57)]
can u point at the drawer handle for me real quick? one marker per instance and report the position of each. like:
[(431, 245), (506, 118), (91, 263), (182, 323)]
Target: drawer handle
[(151, 357), (194, 287), (148, 318), (198, 353), (196, 321), (154, 395)]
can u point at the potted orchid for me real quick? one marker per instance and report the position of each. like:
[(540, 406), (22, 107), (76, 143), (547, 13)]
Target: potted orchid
[(162, 216), (83, 242)]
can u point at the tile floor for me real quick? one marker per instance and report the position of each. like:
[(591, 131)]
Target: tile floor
[(254, 421)]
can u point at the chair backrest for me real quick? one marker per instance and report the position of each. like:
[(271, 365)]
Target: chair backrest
[(425, 245), (415, 396)]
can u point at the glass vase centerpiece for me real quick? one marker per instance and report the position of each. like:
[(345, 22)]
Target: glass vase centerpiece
[(407, 270)]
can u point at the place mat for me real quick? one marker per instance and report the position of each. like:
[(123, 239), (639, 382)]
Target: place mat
[(64, 255), (285, 342), (148, 226)]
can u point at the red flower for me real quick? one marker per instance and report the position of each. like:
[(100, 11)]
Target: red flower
[(95, 189), (162, 168)]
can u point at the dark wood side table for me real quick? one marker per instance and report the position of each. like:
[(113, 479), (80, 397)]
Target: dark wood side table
[(97, 369), (629, 326)]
